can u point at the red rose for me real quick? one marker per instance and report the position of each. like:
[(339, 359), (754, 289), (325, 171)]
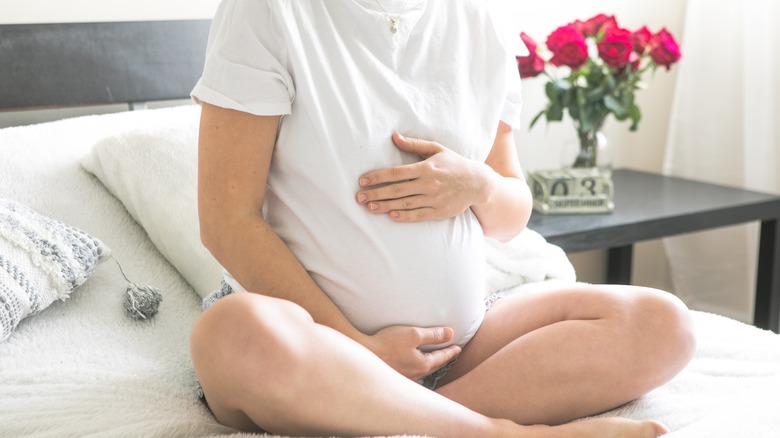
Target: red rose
[(567, 45), (640, 39), (533, 64), (664, 49), (596, 24), (616, 48)]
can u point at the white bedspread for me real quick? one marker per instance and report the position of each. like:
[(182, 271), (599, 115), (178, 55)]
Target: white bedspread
[(82, 368)]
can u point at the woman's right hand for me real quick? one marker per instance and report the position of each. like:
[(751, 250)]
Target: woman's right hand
[(399, 347)]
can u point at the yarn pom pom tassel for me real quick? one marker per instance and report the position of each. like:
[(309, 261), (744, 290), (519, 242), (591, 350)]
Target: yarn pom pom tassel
[(141, 302)]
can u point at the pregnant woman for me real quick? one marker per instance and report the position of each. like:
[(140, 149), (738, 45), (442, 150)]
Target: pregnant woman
[(353, 156)]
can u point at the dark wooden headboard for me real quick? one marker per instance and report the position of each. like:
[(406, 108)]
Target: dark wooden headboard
[(72, 64)]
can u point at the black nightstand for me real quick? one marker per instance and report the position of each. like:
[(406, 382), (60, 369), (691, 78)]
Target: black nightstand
[(650, 206)]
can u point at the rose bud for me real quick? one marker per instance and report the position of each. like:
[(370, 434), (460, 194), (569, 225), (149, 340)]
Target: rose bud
[(533, 64), (596, 24), (640, 39), (664, 50)]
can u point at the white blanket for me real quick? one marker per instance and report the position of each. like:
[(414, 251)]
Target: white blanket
[(82, 368)]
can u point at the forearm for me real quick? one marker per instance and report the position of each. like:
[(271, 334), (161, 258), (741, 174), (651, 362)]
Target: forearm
[(261, 262), (505, 207)]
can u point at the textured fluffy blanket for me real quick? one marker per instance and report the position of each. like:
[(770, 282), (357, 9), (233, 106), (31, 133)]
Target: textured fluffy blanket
[(82, 368)]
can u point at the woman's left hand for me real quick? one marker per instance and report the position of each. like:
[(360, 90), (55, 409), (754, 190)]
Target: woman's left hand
[(442, 185)]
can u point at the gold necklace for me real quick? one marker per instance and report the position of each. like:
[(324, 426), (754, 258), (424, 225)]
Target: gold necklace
[(393, 21)]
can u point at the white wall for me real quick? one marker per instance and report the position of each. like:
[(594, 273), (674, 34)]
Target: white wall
[(539, 148)]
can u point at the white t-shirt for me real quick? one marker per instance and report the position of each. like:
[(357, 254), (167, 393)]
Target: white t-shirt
[(345, 83)]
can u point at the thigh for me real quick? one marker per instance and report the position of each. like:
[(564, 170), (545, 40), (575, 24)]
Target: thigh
[(561, 352), (542, 305)]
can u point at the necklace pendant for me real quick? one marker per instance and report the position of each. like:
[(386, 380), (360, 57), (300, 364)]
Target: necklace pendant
[(393, 25)]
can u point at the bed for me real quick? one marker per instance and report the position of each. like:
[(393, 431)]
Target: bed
[(79, 362)]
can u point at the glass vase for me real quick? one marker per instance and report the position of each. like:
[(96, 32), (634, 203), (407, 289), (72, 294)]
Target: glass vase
[(591, 149)]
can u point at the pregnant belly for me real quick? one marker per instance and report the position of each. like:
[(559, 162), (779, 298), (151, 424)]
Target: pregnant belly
[(427, 274)]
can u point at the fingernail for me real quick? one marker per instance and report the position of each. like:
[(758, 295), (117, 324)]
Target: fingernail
[(373, 206), (395, 214), (362, 197), (363, 181), (400, 136)]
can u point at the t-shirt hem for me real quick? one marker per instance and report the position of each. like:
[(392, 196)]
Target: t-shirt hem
[(201, 93), (511, 115)]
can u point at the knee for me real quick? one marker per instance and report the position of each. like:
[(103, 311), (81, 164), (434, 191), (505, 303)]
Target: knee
[(244, 338), (667, 329)]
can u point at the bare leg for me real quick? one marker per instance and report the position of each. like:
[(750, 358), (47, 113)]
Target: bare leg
[(564, 353), (264, 363)]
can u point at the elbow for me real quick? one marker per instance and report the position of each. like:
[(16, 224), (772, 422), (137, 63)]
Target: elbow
[(212, 223), (507, 235), (224, 226), (510, 229), (209, 236), (515, 219)]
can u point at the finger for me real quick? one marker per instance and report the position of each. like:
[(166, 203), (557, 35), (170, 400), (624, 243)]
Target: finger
[(406, 203), (438, 358), (435, 335), (390, 192), (417, 215), (422, 148), (390, 175)]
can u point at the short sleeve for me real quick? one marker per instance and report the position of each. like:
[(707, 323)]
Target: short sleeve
[(513, 47), (513, 102), (245, 58)]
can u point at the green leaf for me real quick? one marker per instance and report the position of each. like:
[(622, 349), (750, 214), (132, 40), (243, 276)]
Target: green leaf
[(616, 106), (596, 95), (550, 91), (591, 118), (595, 76), (536, 118), (555, 89), (636, 116), (627, 97), (574, 112), (554, 113)]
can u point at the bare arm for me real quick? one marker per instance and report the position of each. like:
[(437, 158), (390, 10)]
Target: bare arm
[(445, 184), (507, 206), (234, 157)]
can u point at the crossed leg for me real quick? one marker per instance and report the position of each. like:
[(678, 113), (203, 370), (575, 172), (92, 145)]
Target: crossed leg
[(565, 352), (264, 363)]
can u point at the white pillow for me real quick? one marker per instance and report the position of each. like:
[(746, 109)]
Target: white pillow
[(41, 260), (152, 170)]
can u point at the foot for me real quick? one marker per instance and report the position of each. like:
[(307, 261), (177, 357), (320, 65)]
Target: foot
[(613, 427)]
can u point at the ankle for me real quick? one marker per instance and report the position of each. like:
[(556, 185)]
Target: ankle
[(508, 428)]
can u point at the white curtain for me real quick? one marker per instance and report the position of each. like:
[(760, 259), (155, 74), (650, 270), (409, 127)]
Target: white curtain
[(725, 129)]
